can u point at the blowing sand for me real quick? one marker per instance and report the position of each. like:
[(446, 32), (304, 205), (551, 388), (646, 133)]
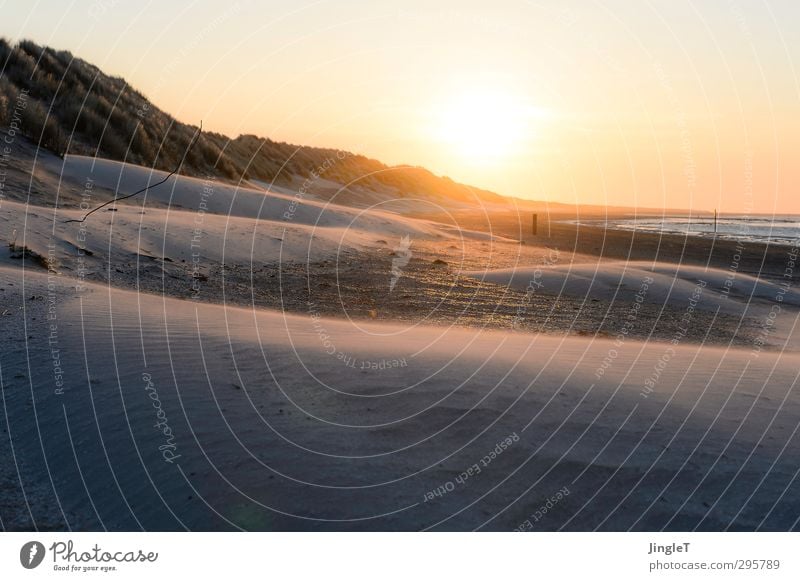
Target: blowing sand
[(251, 371)]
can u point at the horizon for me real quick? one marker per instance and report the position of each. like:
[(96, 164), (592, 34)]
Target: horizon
[(563, 104)]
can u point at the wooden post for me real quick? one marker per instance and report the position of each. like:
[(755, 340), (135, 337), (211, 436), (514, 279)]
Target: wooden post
[(715, 221), (534, 225)]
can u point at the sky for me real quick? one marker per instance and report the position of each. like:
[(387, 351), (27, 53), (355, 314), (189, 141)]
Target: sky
[(656, 104)]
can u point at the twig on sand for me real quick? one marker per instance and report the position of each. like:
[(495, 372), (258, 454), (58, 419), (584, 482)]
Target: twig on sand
[(144, 189)]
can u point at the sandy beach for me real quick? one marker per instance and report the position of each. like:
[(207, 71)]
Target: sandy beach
[(218, 358), (336, 275)]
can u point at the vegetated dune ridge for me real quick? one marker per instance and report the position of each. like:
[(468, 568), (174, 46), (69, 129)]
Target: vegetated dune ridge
[(131, 411)]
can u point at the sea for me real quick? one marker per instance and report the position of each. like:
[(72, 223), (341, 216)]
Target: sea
[(778, 229)]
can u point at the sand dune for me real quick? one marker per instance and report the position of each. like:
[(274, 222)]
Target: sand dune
[(207, 222), (683, 286), (179, 235), (301, 422), (270, 203)]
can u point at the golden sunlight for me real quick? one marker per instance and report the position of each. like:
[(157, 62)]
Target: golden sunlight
[(483, 125)]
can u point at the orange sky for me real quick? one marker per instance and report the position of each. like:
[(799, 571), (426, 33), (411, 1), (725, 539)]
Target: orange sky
[(676, 104)]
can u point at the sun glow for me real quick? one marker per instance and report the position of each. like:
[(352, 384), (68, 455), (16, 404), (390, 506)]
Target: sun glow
[(484, 125)]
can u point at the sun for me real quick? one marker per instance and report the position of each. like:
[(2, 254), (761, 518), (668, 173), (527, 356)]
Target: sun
[(483, 125)]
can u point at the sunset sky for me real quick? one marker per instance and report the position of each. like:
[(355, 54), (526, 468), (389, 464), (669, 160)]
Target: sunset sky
[(660, 103)]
